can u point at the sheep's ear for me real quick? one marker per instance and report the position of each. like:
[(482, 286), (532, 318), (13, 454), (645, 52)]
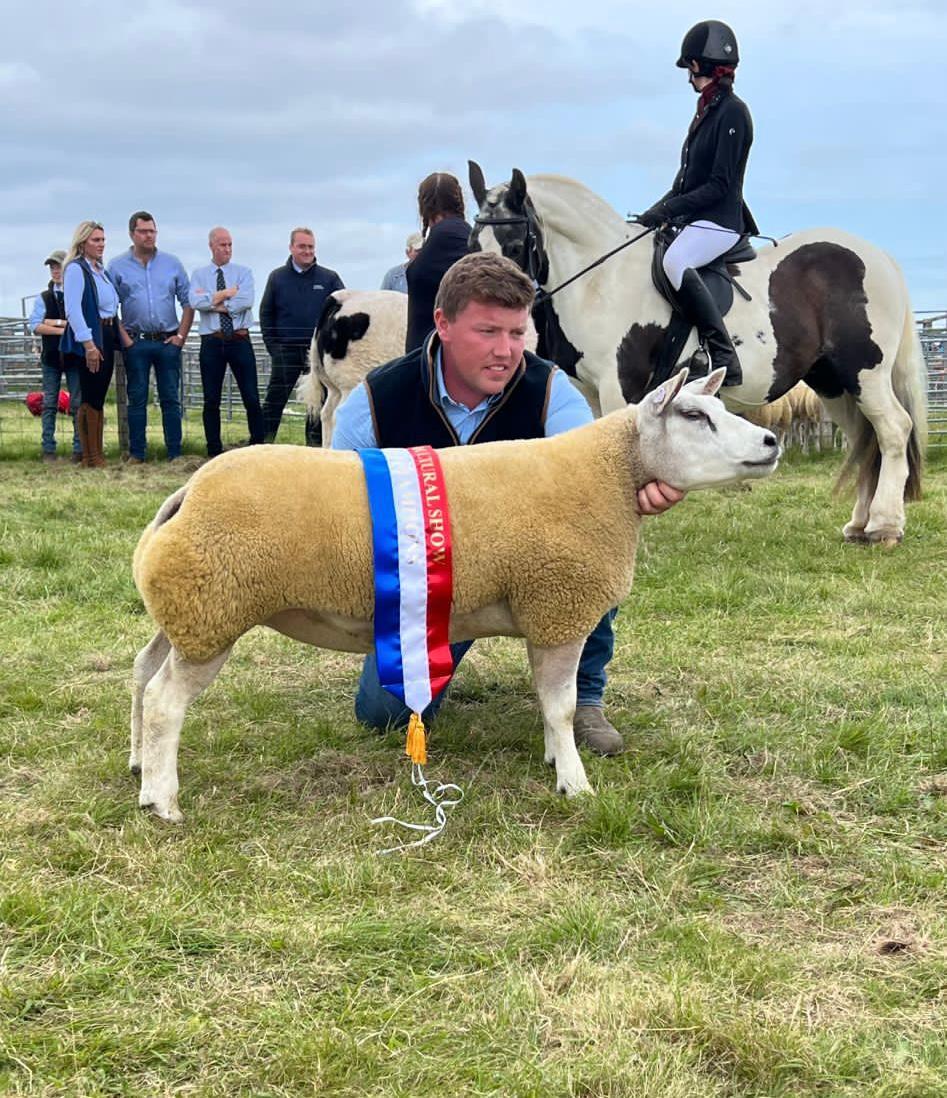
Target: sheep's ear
[(478, 185), (708, 386), (659, 400), (516, 198)]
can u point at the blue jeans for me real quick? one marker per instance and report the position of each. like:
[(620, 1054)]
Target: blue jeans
[(52, 379), (166, 359), (378, 708)]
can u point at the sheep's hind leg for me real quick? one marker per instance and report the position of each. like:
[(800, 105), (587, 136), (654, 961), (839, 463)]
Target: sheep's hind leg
[(554, 671), (147, 662), (171, 690)]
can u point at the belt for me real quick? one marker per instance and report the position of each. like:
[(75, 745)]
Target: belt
[(106, 321), (239, 333), (154, 337)]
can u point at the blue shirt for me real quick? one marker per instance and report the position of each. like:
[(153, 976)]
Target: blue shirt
[(38, 315), (355, 430), (147, 291), (204, 286), (396, 279), (73, 283)]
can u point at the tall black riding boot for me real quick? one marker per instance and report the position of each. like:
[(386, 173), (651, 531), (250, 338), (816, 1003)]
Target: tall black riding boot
[(701, 310)]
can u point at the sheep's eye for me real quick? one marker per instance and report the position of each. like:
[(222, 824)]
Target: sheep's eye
[(692, 413)]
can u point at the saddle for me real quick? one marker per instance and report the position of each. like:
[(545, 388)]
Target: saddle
[(720, 278)]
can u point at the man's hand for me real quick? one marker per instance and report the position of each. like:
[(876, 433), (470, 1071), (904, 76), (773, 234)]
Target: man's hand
[(656, 497), (177, 340)]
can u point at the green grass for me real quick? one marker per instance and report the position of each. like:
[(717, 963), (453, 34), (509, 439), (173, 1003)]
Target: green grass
[(751, 905)]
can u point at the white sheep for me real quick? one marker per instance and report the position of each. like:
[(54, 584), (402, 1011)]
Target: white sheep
[(544, 535), (357, 331)]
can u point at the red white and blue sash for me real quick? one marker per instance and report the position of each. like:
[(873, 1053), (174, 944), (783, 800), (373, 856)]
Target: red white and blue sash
[(413, 575)]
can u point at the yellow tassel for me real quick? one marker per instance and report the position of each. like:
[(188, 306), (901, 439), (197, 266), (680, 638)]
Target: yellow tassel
[(415, 747)]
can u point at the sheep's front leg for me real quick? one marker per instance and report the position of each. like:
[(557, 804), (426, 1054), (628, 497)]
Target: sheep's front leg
[(147, 662), (554, 671), (171, 690)]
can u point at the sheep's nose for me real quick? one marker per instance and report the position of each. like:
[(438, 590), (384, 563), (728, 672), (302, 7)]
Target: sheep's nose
[(769, 439)]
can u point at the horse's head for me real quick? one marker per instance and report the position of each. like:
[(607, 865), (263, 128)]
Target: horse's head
[(688, 439), (507, 223)]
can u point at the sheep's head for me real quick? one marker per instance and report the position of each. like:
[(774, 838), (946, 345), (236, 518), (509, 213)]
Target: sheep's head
[(689, 440)]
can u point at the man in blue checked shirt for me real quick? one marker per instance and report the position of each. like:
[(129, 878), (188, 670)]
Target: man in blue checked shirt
[(472, 381), (222, 293), (148, 282)]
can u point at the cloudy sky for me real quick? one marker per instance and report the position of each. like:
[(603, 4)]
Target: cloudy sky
[(261, 116)]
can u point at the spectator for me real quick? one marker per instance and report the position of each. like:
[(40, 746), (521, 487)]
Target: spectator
[(48, 320), (148, 281), (92, 333), (222, 293), (289, 312), (396, 279), (441, 208)]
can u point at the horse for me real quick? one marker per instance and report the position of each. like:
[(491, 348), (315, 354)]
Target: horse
[(824, 307)]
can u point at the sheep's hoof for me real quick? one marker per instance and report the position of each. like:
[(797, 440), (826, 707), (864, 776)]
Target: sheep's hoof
[(854, 535), (134, 769), (170, 814), (574, 789)]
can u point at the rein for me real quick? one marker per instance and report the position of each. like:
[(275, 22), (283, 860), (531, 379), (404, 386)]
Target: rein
[(532, 251)]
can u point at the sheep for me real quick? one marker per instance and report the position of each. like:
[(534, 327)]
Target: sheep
[(358, 330), (544, 533)]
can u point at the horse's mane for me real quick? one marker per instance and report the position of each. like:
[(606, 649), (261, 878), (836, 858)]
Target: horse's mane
[(572, 209)]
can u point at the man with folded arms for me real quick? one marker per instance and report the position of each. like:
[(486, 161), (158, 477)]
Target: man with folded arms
[(222, 293), (148, 282)]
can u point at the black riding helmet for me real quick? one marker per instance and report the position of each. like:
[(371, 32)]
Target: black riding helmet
[(709, 43)]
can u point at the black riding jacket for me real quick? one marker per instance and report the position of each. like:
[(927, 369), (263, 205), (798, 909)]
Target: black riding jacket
[(709, 183)]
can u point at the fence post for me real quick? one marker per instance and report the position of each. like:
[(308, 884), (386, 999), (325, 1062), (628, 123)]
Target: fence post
[(121, 405)]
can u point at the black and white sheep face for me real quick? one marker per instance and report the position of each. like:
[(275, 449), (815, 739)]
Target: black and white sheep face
[(689, 439)]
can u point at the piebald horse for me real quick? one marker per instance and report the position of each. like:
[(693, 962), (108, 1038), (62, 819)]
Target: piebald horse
[(826, 308)]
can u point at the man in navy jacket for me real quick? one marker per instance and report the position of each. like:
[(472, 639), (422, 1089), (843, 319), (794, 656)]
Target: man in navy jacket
[(289, 310)]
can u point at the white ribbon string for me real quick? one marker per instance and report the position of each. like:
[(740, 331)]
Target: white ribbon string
[(437, 799)]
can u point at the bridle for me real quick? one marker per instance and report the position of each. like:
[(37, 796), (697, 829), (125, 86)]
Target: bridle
[(537, 264)]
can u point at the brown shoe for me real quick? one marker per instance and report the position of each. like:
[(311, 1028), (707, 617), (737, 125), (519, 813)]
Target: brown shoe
[(49, 458), (596, 732), (76, 457), (132, 460), (82, 426)]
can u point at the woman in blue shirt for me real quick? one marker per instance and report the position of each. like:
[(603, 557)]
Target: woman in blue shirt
[(92, 334)]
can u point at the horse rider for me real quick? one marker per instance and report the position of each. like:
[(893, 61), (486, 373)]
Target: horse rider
[(707, 196)]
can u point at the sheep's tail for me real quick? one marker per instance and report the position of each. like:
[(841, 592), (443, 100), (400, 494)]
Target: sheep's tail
[(909, 381), (166, 511)]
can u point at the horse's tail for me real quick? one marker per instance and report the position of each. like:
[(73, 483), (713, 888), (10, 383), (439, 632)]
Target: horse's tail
[(909, 381)]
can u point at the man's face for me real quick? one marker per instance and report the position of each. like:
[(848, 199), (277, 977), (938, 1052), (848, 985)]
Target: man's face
[(144, 236), (221, 248), (483, 346), (303, 250), (55, 273)]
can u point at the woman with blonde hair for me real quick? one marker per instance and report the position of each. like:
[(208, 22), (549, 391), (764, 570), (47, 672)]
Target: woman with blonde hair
[(446, 233), (92, 333)]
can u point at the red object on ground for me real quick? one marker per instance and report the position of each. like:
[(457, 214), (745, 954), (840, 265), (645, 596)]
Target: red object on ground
[(34, 401)]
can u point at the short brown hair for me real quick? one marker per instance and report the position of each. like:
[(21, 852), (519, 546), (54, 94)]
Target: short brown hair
[(439, 195), (139, 215), (301, 230), (487, 278)]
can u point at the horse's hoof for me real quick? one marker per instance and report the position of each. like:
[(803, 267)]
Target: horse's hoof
[(855, 535)]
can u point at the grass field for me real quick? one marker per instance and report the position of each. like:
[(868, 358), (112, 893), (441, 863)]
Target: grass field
[(752, 904)]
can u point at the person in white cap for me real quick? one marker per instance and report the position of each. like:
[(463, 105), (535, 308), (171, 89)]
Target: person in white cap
[(397, 279), (48, 321)]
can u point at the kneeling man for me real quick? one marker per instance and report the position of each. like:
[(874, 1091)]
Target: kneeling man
[(473, 381)]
